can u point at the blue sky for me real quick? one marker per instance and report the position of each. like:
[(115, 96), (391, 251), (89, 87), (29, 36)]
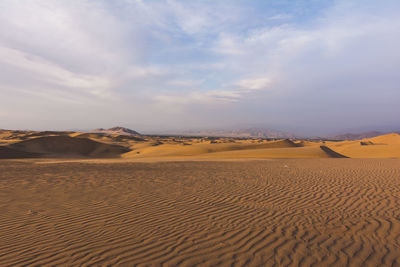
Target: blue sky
[(311, 67)]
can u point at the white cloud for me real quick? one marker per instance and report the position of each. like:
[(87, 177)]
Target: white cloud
[(51, 72), (281, 17), (212, 97), (254, 84), (185, 83), (205, 17), (184, 54)]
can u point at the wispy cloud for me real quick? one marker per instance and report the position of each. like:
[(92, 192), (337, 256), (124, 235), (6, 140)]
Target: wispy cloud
[(190, 56), (185, 83), (254, 84), (51, 73), (281, 17)]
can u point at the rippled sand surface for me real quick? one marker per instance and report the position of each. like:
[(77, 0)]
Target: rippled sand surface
[(293, 212)]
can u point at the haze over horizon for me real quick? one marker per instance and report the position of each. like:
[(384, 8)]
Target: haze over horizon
[(309, 67)]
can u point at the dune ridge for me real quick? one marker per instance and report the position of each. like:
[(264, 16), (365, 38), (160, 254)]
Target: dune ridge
[(392, 138), (332, 153), (209, 149), (384, 146)]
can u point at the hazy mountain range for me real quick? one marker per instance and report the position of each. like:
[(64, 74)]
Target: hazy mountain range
[(243, 133), (356, 136), (271, 133), (116, 131)]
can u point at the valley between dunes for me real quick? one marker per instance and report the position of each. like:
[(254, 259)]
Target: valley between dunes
[(84, 199)]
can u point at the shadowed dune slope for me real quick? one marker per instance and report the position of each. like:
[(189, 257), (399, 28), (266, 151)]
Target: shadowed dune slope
[(65, 146), (331, 153), (9, 153), (366, 143), (127, 138)]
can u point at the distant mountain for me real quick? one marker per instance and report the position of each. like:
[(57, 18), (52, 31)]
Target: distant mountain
[(245, 133), (356, 136), (116, 131)]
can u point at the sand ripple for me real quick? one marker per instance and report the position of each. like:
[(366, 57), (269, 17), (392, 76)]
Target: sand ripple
[(326, 212)]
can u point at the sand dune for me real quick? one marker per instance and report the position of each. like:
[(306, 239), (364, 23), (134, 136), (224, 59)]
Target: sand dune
[(384, 146), (366, 143), (270, 153), (174, 150), (197, 202), (66, 146), (327, 212), (389, 139), (108, 138), (269, 149), (370, 151), (44, 133), (87, 135), (95, 137), (77, 144), (331, 153), (4, 134), (9, 153), (10, 136), (24, 135)]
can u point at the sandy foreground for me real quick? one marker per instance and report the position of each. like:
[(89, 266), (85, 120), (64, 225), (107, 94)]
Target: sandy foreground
[(282, 212)]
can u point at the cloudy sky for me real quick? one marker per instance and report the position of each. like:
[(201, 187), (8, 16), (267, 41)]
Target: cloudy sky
[(309, 66)]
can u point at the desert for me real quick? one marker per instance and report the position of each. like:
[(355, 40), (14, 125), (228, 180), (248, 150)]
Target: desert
[(78, 199), (200, 133)]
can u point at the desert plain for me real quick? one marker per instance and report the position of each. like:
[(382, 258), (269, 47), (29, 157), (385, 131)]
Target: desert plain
[(87, 199)]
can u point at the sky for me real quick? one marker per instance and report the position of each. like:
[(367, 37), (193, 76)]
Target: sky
[(308, 67)]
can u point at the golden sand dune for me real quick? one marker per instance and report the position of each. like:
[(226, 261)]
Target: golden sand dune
[(389, 139), (95, 137), (66, 146), (13, 136), (10, 136), (29, 135), (173, 150), (86, 135), (24, 135), (370, 151), (107, 138), (269, 149), (384, 146), (315, 212), (298, 152), (332, 153), (5, 134)]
